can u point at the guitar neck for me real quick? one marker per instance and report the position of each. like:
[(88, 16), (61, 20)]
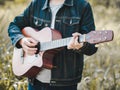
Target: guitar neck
[(58, 43), (54, 44), (93, 37)]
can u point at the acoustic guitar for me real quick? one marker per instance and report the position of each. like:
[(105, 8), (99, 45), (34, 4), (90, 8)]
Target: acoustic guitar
[(50, 42)]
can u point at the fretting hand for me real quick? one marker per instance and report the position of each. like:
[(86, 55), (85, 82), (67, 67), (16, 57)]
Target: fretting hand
[(74, 44)]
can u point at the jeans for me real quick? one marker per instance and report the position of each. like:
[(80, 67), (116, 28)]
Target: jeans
[(41, 86)]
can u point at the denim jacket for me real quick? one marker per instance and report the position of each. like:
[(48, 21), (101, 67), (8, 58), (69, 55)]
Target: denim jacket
[(73, 16)]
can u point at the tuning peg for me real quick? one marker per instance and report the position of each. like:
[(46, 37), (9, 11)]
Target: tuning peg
[(100, 32), (106, 32), (105, 38)]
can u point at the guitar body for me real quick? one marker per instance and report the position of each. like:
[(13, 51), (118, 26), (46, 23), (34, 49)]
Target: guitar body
[(29, 66)]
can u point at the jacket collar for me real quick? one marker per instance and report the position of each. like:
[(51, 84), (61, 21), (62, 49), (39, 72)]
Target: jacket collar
[(67, 3)]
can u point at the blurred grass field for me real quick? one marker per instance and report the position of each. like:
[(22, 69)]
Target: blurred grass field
[(101, 70)]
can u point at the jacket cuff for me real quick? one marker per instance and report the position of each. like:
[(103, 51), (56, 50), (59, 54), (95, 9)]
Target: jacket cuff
[(16, 44), (87, 49), (85, 45)]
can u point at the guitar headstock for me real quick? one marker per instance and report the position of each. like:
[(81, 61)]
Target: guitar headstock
[(99, 36)]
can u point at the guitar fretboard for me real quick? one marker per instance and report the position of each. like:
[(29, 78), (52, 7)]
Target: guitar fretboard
[(54, 44), (57, 43)]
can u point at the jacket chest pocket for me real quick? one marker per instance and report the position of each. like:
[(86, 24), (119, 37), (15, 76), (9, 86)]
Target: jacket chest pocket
[(71, 25), (71, 21), (40, 23)]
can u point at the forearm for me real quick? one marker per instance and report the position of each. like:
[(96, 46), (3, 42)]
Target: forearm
[(87, 49), (15, 34)]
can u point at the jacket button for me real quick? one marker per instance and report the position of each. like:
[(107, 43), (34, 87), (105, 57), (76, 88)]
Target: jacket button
[(57, 21), (53, 81), (36, 23), (46, 25), (71, 21)]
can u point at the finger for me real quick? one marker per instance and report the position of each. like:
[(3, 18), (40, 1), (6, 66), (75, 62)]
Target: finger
[(30, 43), (29, 49), (76, 34), (31, 40), (76, 41), (27, 43), (30, 52), (71, 43), (77, 44)]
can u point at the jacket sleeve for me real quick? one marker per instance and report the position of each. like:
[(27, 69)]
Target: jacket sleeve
[(15, 27), (87, 25)]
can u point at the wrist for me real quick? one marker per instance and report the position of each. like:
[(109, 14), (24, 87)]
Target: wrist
[(20, 42)]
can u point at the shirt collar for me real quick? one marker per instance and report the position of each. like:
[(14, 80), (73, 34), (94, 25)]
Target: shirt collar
[(67, 3)]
